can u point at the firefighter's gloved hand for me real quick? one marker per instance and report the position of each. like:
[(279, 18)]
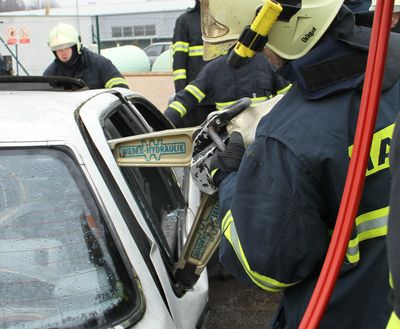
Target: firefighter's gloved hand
[(224, 162), (173, 116)]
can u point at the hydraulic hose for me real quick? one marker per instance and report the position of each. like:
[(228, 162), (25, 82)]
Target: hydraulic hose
[(356, 173)]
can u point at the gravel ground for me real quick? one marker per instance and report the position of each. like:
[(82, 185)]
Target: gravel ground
[(234, 305)]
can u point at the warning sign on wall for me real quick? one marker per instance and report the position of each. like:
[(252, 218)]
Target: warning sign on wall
[(24, 35), (11, 34)]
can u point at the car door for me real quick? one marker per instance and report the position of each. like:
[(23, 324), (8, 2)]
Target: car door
[(154, 195)]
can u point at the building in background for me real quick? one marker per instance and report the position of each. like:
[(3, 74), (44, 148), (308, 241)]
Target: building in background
[(101, 25)]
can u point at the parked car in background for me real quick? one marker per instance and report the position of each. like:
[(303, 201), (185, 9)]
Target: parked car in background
[(156, 49), (85, 242)]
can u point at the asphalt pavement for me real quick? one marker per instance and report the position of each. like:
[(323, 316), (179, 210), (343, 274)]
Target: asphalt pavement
[(234, 305)]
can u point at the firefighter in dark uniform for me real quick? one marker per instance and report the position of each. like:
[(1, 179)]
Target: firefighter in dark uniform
[(224, 85), (393, 237), (74, 61), (187, 50), (280, 197)]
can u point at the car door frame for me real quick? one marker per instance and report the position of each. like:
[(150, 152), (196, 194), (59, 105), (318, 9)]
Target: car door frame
[(187, 307)]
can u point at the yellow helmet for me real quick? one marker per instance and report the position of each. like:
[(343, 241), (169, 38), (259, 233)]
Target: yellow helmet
[(64, 36), (298, 28), (396, 7)]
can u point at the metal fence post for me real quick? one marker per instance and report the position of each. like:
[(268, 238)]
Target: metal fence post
[(16, 54), (98, 34)]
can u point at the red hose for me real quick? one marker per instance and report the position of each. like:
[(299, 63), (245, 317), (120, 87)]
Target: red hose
[(356, 174)]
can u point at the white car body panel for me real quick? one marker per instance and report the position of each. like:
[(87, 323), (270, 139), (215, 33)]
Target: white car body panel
[(90, 114), (47, 118)]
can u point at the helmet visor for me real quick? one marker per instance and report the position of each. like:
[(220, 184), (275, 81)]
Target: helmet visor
[(62, 46), (210, 28)]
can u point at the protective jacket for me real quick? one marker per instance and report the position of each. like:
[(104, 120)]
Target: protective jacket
[(224, 85), (95, 70), (393, 240), (187, 48), (279, 209)]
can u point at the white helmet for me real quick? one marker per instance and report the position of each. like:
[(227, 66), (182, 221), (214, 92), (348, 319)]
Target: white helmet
[(396, 6), (64, 36), (298, 28)]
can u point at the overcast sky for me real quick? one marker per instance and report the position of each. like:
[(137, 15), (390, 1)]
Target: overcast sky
[(73, 3)]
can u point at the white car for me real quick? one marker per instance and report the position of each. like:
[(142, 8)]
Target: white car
[(85, 243)]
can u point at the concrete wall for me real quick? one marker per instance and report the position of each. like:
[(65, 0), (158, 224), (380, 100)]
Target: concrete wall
[(156, 87)]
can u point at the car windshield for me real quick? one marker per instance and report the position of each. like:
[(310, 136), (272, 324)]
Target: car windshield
[(59, 265)]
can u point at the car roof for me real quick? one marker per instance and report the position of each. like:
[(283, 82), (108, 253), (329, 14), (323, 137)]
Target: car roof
[(42, 115)]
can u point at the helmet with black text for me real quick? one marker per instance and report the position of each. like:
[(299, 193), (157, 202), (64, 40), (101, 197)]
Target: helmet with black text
[(298, 28), (64, 36)]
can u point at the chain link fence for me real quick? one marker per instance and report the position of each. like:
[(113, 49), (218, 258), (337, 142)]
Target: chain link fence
[(122, 38)]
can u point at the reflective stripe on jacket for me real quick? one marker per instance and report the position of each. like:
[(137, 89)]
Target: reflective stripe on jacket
[(223, 85), (393, 237), (280, 207), (95, 70), (187, 48)]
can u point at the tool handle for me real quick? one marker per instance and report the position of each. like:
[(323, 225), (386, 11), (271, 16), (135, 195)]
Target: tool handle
[(232, 111), (254, 37), (222, 120)]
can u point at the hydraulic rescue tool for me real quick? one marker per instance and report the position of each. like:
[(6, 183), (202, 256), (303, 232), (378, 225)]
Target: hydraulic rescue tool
[(194, 147)]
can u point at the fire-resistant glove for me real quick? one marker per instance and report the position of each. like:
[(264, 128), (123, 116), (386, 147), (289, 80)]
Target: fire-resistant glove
[(224, 162)]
